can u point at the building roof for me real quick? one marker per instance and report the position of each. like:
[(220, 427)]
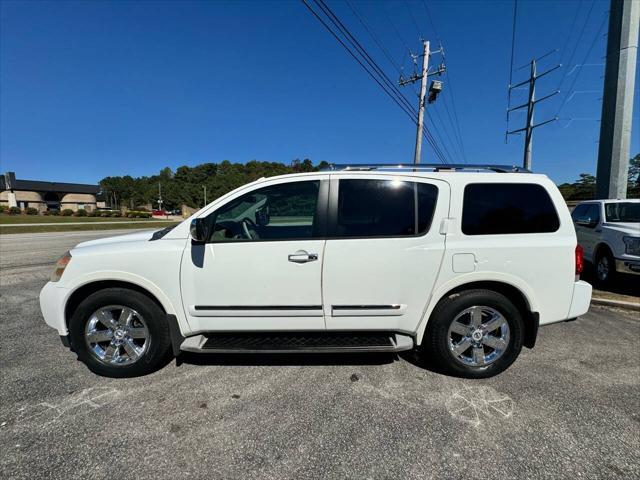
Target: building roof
[(57, 187)]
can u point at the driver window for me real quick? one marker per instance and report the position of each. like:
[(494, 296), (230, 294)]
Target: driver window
[(278, 212)]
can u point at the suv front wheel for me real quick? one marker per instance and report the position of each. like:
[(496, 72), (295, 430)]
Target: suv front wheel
[(475, 333), (119, 332)]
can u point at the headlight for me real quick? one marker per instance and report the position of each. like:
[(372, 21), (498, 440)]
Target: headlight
[(632, 245), (61, 264)]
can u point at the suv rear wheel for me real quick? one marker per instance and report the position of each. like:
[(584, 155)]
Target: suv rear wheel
[(475, 333), (119, 332)]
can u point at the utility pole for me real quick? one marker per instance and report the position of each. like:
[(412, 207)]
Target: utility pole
[(530, 105), (434, 90), (159, 196), (528, 135), (617, 103), (423, 90), (205, 194)]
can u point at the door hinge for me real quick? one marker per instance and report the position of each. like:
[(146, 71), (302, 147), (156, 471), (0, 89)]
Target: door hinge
[(444, 225)]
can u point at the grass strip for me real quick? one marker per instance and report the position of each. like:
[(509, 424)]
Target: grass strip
[(85, 227)]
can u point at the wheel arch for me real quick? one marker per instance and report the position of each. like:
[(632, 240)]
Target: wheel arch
[(520, 300), (83, 291), (601, 246)]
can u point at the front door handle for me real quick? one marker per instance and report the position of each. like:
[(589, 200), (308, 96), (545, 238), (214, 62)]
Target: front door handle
[(303, 257)]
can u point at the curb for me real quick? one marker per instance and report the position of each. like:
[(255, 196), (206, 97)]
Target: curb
[(635, 306)]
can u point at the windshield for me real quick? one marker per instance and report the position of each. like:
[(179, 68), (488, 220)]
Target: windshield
[(622, 212)]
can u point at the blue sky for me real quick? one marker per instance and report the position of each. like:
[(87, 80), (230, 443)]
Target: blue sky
[(90, 89)]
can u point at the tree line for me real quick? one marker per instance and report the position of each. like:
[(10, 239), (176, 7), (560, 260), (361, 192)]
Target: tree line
[(187, 184), (584, 188)]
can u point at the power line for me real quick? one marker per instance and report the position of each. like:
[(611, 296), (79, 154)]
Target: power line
[(413, 19), (455, 126), (573, 24), (362, 51), (575, 47), (513, 39), (374, 37), (575, 79), (430, 18), (454, 146), (450, 89), (356, 44), (393, 27), (344, 45), (397, 97)]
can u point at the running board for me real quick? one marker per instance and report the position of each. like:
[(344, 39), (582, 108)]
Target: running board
[(309, 342)]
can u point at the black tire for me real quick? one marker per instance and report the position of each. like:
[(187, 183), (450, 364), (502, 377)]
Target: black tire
[(604, 267), (156, 352), (437, 341)]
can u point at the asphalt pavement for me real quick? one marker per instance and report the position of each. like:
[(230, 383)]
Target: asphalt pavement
[(570, 408)]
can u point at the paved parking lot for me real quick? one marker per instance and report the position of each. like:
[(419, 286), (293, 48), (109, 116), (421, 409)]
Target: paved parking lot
[(569, 408)]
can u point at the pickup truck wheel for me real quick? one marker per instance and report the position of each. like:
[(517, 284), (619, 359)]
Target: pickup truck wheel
[(118, 332), (475, 334), (605, 267)]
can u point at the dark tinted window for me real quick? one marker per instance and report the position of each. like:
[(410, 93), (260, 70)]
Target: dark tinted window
[(502, 208), (593, 212), (384, 208), (579, 211)]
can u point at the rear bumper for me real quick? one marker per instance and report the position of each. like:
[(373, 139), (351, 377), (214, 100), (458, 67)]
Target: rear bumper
[(628, 266), (580, 300)]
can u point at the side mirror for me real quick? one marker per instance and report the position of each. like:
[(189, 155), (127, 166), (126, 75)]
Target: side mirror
[(199, 230), (586, 222)]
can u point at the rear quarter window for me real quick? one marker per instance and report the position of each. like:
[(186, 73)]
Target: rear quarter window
[(507, 208)]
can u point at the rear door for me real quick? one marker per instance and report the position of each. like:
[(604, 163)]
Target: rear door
[(383, 251)]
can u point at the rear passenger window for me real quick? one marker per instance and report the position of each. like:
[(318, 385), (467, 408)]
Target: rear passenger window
[(507, 208), (384, 208)]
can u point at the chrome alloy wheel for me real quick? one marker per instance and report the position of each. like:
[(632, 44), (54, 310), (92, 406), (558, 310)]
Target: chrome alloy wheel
[(117, 335), (478, 336)]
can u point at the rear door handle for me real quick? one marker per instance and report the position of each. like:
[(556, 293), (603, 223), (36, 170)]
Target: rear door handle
[(303, 257)]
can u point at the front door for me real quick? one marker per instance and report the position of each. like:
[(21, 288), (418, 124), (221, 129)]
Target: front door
[(384, 250), (261, 268)]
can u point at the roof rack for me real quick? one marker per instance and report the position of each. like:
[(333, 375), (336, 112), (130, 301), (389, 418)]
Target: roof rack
[(435, 167)]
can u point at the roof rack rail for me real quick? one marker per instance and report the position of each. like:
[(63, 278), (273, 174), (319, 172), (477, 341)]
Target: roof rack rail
[(435, 167)]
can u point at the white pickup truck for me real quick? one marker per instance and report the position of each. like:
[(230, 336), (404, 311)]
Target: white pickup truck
[(462, 263), (609, 233)]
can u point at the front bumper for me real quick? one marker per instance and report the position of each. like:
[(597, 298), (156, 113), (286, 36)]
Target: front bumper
[(52, 302), (628, 266), (580, 300)]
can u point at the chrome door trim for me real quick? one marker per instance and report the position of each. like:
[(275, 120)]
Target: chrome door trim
[(392, 309)]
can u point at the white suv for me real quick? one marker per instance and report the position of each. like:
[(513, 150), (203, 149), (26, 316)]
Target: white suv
[(462, 263), (609, 232)]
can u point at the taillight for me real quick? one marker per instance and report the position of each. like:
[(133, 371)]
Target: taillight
[(579, 259)]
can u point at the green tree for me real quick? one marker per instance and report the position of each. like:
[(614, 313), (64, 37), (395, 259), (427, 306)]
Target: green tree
[(633, 187), (186, 184)]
